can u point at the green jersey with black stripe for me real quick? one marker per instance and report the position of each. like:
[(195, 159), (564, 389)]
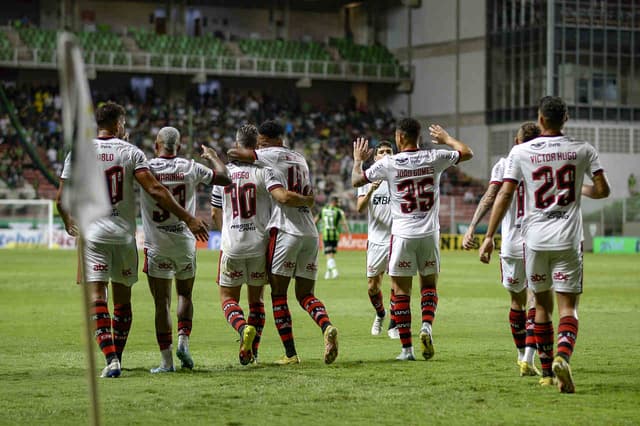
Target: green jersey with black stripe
[(330, 217)]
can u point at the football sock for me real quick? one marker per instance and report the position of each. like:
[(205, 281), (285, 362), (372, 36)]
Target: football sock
[(316, 310), (392, 321), (518, 321), (567, 335), (377, 303), (183, 341), (121, 324), (401, 313), (184, 326), (234, 315), (256, 319), (99, 312), (429, 304), (167, 357), (544, 340), (426, 327), (164, 340), (331, 263), (282, 317), (530, 340)]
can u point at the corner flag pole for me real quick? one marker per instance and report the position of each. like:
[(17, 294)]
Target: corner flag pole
[(85, 195)]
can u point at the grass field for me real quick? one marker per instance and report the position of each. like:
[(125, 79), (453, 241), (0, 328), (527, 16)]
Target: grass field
[(473, 378)]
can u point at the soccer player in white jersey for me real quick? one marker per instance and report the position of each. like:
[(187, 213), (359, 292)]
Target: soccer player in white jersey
[(242, 211), (376, 199), (552, 168), (169, 247), (414, 179), (513, 277), (293, 243), (110, 250)]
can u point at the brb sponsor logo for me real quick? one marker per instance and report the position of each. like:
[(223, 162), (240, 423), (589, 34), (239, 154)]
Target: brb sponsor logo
[(560, 276), (99, 267), (536, 278), (404, 264), (289, 265)]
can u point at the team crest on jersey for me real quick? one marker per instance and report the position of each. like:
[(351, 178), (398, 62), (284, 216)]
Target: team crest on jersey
[(401, 161), (538, 145)]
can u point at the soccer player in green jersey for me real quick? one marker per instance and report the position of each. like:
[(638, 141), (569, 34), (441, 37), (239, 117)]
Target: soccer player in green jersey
[(333, 222)]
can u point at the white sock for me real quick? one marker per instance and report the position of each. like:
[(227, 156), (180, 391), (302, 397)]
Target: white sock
[(521, 356), (529, 353), (331, 263), (167, 357), (183, 341), (426, 327)]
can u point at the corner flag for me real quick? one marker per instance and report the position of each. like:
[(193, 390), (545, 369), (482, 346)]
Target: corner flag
[(85, 195)]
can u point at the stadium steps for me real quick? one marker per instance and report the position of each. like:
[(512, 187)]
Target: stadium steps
[(37, 180), (234, 48)]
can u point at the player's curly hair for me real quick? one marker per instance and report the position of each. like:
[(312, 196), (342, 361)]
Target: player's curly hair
[(528, 131), (554, 110), (271, 129), (247, 136), (410, 127), (108, 114)]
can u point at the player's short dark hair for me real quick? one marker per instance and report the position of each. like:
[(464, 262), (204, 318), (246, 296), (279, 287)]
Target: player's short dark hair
[(554, 110), (528, 131), (271, 129), (334, 198), (410, 127), (384, 143), (108, 114), (247, 136)]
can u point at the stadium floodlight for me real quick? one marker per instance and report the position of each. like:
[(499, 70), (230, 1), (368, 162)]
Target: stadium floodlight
[(26, 223)]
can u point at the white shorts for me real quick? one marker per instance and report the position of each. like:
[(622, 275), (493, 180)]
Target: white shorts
[(292, 255), (512, 274), (118, 262), (377, 258), (410, 255), (181, 266), (235, 271), (557, 269)]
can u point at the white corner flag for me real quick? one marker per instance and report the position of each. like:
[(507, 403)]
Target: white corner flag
[(85, 195)]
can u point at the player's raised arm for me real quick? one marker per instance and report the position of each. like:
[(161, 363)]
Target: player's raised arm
[(361, 152), (292, 199), (164, 198), (441, 137), (502, 203), (244, 155), (221, 173)]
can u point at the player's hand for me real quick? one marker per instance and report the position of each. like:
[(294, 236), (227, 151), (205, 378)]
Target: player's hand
[(199, 228), (208, 153), (468, 241), (72, 229), (361, 150), (438, 135), (126, 137), (375, 184), (485, 250)]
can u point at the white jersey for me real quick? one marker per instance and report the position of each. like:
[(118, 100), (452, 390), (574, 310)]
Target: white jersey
[(512, 221), (552, 170), (414, 182), (119, 160), (247, 207), (163, 231), (294, 169), (379, 213)]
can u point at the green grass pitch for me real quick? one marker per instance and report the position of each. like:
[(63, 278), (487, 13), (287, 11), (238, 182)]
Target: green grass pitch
[(473, 378)]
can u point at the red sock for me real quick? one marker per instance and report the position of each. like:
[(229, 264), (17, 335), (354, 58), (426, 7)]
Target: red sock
[(567, 335), (392, 302), (530, 340), (429, 304), (99, 312), (282, 317), (164, 340), (316, 310), (401, 313), (256, 319), (121, 324), (518, 321), (184, 327), (233, 313), (377, 303), (544, 339)]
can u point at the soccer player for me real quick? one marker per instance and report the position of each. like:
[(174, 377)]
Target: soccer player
[(110, 249), (293, 243), (169, 247), (414, 179), (242, 211), (375, 198), (552, 168), (333, 221), (511, 258)]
